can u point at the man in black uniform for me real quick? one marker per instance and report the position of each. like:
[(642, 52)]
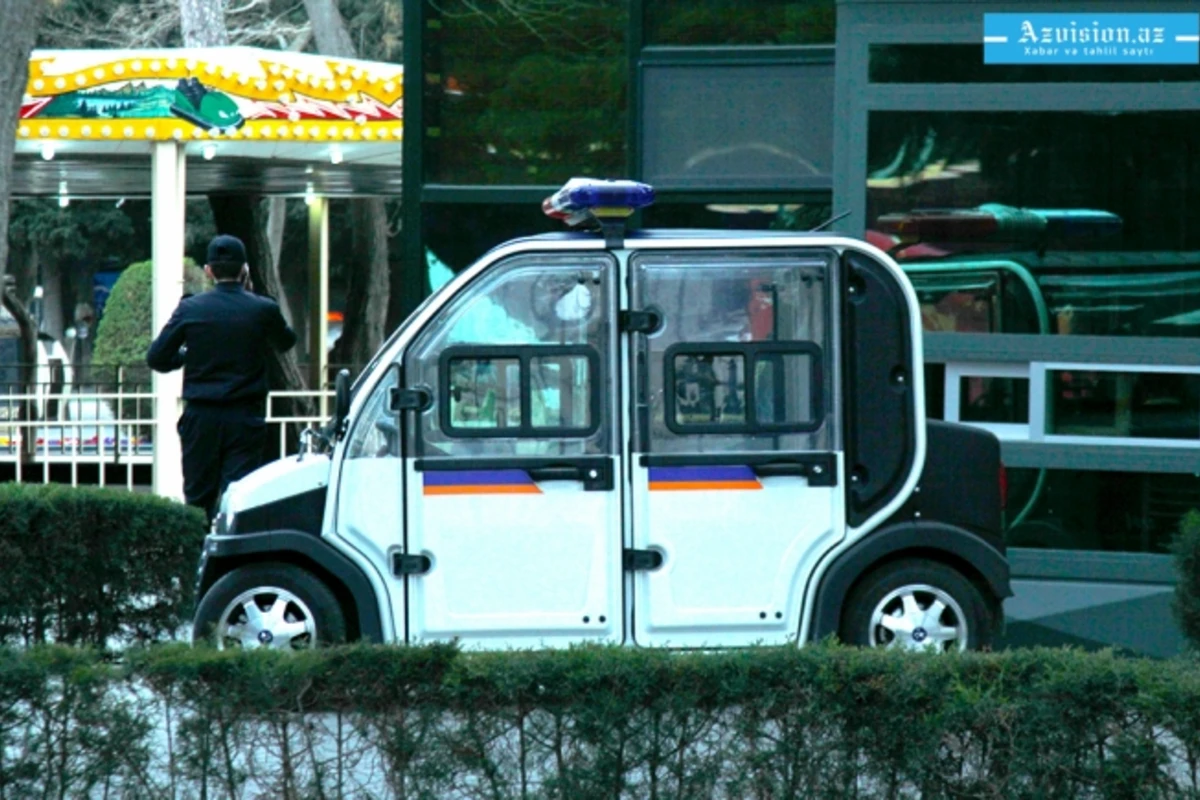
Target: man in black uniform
[(222, 339)]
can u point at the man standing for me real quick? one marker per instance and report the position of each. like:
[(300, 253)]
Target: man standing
[(221, 339)]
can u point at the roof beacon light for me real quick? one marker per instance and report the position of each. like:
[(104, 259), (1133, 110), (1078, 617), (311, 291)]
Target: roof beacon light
[(584, 200)]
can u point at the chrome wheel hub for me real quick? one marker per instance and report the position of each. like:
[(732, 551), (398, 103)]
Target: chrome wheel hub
[(266, 617), (919, 617)]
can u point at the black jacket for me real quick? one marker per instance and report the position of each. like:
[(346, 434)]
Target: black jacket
[(222, 339)]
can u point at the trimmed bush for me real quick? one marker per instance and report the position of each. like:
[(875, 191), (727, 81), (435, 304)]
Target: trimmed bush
[(94, 566), (398, 722), (126, 329), (1186, 548)]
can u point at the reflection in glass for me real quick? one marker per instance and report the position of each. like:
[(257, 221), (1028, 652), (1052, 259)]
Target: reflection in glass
[(710, 389), (1099, 207), (783, 389), (1135, 405), (744, 298), (1094, 510), (485, 393), (721, 22), (560, 392), (991, 399), (526, 93)]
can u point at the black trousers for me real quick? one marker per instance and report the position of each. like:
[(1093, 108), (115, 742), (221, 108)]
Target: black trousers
[(221, 443)]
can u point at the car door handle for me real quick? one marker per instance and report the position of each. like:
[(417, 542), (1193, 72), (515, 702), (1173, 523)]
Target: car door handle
[(563, 472), (596, 475), (777, 468)]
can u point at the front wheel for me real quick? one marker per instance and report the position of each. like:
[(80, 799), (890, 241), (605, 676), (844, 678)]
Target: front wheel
[(917, 605), (278, 606)]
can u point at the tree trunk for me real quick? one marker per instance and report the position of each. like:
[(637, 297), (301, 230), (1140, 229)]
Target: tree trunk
[(362, 331), (203, 23), (18, 31), (367, 292)]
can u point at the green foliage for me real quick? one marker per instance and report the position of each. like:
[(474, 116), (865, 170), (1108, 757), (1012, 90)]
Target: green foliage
[(125, 330), (816, 722), (87, 565), (83, 231), (1186, 548)]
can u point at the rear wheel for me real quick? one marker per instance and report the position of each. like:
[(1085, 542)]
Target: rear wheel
[(278, 606), (917, 605)]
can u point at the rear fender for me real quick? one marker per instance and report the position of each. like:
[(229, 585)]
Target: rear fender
[(959, 548)]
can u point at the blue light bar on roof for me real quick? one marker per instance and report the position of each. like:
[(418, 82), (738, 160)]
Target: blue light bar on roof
[(581, 199)]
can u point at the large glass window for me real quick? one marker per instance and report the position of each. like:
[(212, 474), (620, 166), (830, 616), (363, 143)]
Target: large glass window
[(754, 22), (732, 125), (1098, 207), (529, 93), (739, 360), (1093, 510), (517, 364), (1141, 405)]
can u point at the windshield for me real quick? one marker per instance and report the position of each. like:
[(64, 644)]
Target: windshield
[(440, 277)]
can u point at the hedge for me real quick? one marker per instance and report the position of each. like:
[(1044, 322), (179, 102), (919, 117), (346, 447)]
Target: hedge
[(126, 329), (431, 722), (1186, 549), (94, 566)]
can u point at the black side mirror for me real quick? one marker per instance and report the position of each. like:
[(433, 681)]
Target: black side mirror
[(341, 407)]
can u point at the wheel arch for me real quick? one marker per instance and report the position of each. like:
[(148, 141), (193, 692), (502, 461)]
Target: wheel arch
[(957, 548), (347, 582)]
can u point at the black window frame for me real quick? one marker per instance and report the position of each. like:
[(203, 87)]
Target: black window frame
[(751, 352), (523, 355)]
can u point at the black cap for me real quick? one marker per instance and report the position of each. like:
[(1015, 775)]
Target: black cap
[(226, 250)]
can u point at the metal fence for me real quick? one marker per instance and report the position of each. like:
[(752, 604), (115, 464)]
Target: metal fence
[(98, 429)]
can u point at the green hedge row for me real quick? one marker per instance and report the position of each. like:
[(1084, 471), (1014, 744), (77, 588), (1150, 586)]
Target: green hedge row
[(430, 722), (1186, 548), (94, 566)]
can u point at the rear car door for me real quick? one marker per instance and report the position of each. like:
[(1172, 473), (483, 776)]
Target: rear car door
[(736, 488)]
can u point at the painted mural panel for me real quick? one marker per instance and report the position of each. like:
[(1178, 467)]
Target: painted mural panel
[(234, 92)]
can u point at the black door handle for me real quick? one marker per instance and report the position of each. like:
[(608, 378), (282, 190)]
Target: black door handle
[(563, 472), (595, 474), (777, 468)]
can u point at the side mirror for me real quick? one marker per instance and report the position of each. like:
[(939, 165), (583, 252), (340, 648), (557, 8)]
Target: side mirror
[(341, 406)]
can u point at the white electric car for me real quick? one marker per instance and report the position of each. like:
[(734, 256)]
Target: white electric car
[(661, 438)]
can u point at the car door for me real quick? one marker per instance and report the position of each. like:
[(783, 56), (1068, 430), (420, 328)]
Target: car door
[(735, 467), (512, 487)]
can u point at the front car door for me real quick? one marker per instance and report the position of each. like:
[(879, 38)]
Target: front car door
[(512, 479), (736, 469)]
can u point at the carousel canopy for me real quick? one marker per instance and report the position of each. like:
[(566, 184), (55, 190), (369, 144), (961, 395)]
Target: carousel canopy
[(250, 120)]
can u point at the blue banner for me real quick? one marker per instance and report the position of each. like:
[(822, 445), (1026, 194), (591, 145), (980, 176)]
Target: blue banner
[(1091, 38)]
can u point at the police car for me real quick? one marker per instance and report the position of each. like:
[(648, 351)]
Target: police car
[(658, 438)]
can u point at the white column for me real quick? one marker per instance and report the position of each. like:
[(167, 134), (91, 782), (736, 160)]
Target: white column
[(318, 294), (169, 170)]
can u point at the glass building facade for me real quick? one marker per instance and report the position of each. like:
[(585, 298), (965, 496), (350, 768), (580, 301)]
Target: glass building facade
[(1070, 333)]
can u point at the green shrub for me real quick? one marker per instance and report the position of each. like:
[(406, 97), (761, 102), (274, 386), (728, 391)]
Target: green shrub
[(1186, 548), (591, 722), (89, 565), (126, 329)]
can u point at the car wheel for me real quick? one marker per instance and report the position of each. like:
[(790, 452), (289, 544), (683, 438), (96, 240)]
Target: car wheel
[(278, 606), (917, 605)]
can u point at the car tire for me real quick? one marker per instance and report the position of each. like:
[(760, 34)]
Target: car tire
[(917, 605), (278, 606)]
